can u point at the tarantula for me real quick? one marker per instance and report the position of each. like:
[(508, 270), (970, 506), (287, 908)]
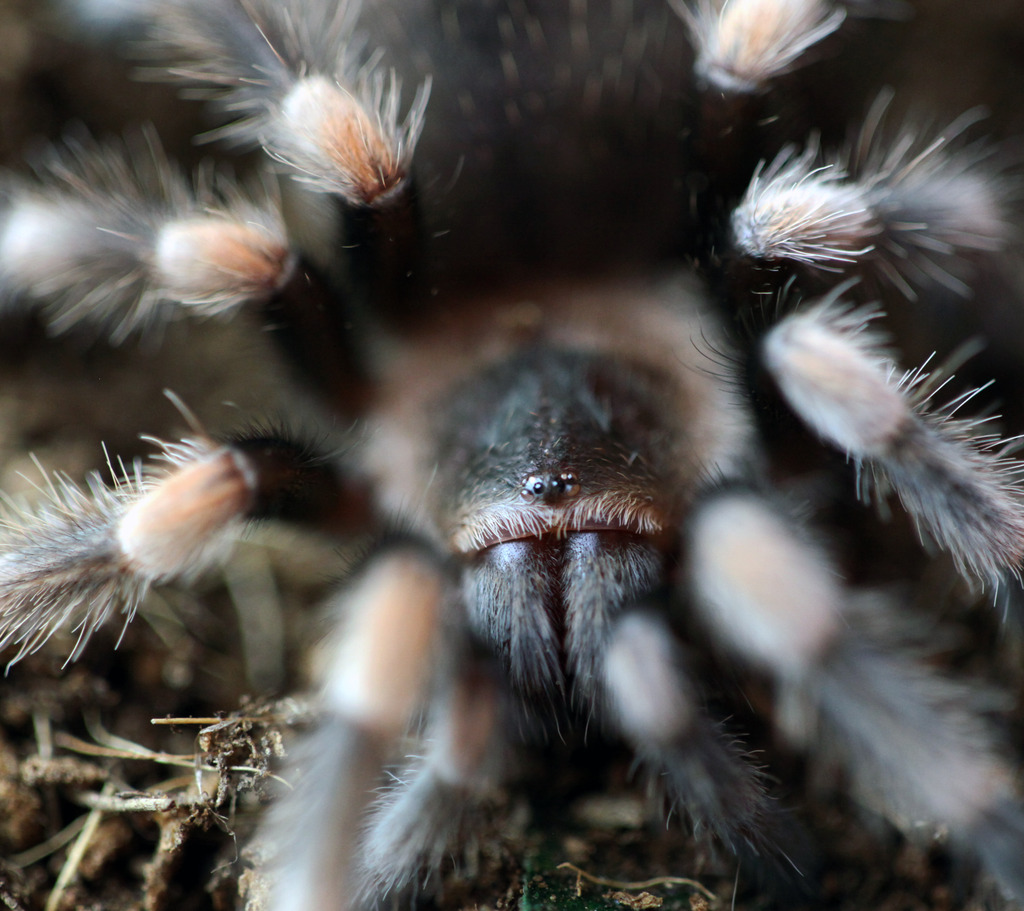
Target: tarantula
[(568, 280)]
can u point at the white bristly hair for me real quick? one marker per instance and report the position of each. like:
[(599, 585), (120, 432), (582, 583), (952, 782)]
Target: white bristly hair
[(799, 209), (113, 235), (743, 44), (907, 208), (955, 479), (295, 79), (82, 554)]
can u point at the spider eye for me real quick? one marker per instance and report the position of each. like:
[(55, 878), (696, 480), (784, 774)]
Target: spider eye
[(532, 488), (569, 484), (551, 487)]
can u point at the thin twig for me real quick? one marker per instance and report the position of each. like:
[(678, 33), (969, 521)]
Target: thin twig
[(199, 720), (70, 742), (632, 886), (44, 734), (77, 852), (107, 801), (232, 719), (44, 849), (181, 760)]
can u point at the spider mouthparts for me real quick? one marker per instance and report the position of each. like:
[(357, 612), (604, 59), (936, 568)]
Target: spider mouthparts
[(610, 511)]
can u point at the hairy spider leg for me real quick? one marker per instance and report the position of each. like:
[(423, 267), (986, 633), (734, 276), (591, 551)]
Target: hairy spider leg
[(771, 597)]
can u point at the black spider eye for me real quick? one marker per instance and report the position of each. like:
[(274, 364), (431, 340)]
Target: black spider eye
[(532, 488), (550, 487)]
